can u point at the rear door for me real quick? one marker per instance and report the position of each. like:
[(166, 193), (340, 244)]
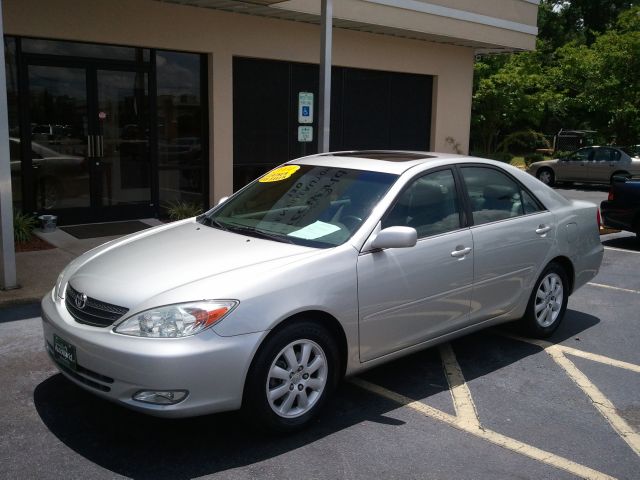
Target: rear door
[(605, 162), (409, 295), (512, 235)]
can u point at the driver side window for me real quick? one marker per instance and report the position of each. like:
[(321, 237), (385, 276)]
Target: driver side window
[(429, 204)]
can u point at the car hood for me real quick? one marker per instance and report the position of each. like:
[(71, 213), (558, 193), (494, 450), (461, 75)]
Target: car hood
[(131, 270)]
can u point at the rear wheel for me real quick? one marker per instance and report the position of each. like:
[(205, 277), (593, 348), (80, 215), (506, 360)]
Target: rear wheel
[(292, 376), (546, 176), (548, 302), (626, 175)]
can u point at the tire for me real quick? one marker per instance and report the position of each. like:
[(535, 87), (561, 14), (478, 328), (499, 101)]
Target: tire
[(627, 175), (285, 410), (545, 310), (546, 176)]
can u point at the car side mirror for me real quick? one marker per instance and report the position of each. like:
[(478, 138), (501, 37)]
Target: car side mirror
[(395, 237), (222, 200)]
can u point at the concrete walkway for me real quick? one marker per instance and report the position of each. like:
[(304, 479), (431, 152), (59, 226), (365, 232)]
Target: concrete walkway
[(38, 271)]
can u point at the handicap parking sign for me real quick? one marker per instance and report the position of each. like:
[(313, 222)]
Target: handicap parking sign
[(305, 107)]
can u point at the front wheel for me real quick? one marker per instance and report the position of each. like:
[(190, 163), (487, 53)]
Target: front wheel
[(292, 376), (547, 304)]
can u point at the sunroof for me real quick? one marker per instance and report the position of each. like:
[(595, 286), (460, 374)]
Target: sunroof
[(383, 155)]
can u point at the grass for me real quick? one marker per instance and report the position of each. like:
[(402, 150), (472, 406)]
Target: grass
[(518, 162)]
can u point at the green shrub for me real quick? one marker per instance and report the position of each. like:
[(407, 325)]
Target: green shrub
[(23, 225), (530, 158), (179, 210), (505, 157), (523, 141), (562, 154)]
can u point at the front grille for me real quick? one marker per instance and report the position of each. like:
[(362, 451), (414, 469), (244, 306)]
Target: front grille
[(95, 312)]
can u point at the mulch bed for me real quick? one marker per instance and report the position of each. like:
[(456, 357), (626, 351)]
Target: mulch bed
[(33, 245)]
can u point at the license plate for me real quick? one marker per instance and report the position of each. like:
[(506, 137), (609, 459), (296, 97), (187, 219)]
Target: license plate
[(64, 352)]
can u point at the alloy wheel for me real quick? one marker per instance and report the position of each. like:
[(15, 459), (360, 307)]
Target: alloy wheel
[(549, 297), (297, 377)]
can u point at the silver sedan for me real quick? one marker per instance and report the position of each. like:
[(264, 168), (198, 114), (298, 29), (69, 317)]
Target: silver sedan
[(588, 165), (323, 267)]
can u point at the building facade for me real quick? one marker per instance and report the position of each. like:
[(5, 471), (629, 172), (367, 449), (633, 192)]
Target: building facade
[(118, 108)]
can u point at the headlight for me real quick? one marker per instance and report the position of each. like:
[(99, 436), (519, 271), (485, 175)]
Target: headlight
[(173, 321), (58, 288)]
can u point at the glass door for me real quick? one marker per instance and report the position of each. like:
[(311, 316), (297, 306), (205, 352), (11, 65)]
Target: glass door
[(121, 153), (87, 148), (55, 148)]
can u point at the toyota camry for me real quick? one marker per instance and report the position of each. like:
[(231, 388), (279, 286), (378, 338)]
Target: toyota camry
[(323, 267)]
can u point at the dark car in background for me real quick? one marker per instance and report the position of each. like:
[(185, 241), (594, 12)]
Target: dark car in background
[(622, 209)]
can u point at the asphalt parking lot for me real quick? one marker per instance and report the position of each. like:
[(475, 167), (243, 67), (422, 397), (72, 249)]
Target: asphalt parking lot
[(489, 405)]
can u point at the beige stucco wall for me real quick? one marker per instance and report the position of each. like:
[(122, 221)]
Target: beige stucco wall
[(223, 35)]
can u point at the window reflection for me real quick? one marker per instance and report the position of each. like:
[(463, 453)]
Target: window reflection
[(90, 50), (11, 68), (180, 128)]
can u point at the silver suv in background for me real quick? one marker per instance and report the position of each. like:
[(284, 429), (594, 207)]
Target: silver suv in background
[(588, 165)]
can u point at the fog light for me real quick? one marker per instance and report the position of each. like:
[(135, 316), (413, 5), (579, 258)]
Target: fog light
[(161, 397)]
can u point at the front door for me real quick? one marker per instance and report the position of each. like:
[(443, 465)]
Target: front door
[(409, 295), (575, 168), (86, 143)]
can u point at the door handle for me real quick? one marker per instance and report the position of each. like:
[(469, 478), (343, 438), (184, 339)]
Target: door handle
[(100, 147), (542, 229), (461, 251)]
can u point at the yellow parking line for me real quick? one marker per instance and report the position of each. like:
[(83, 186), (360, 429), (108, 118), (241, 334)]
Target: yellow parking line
[(578, 353), (485, 434), (602, 403), (610, 287), (621, 250), (462, 401)]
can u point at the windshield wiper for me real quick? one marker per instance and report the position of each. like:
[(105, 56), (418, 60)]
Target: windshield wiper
[(254, 232), (211, 222)]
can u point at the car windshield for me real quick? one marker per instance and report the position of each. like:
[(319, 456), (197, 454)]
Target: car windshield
[(632, 150), (302, 204)]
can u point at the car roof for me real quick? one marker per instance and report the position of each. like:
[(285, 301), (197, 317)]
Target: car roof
[(387, 161)]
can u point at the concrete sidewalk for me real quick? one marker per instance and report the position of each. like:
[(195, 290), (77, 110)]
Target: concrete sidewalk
[(38, 271)]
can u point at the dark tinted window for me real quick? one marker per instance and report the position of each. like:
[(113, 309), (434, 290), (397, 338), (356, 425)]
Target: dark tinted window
[(429, 204), (181, 135), (606, 155), (495, 196)]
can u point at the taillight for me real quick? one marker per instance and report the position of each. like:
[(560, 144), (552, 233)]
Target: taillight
[(598, 217), (610, 197)]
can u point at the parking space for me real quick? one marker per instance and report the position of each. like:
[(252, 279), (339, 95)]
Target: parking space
[(489, 405)]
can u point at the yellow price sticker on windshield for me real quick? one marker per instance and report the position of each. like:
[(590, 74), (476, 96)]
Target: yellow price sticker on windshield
[(279, 174)]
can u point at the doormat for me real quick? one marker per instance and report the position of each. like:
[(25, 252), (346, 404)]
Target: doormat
[(93, 230)]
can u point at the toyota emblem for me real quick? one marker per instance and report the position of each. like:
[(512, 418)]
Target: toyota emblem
[(81, 300)]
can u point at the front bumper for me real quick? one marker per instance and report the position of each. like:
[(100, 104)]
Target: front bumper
[(210, 367)]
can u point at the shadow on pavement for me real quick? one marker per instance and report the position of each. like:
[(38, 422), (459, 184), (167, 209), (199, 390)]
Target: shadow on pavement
[(19, 312), (138, 446), (630, 242)]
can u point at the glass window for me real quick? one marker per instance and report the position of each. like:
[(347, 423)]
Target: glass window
[(582, 155), (493, 195), (181, 135), (11, 69), (90, 50), (530, 204), (303, 204), (429, 204), (606, 155)]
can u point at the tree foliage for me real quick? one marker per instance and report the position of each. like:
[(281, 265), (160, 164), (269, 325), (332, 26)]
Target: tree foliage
[(585, 73)]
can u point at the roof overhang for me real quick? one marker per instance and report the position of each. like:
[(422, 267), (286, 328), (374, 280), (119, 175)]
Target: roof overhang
[(511, 28)]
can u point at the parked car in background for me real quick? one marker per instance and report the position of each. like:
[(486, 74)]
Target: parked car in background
[(323, 267), (587, 165), (622, 209)]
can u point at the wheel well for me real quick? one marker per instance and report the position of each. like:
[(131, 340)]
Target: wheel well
[(565, 263), (622, 173), (326, 320), (545, 168)]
